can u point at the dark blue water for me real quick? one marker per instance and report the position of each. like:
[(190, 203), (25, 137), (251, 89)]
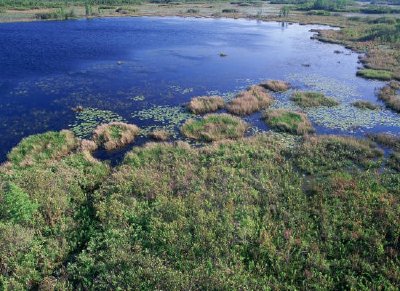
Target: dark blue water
[(127, 65)]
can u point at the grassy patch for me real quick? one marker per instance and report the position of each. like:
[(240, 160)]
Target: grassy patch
[(375, 74), (252, 100), (365, 105), (214, 127), (394, 161), (115, 135), (276, 85), (388, 94), (288, 121), (43, 147), (206, 104), (386, 139), (313, 99), (160, 134)]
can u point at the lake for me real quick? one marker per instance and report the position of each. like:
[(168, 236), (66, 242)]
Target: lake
[(143, 70)]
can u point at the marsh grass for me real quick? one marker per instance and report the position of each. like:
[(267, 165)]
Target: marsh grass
[(388, 94), (361, 104), (394, 161), (43, 147), (206, 104), (160, 135), (375, 74), (214, 127), (252, 100), (386, 139), (276, 85), (115, 135), (313, 99), (288, 121)]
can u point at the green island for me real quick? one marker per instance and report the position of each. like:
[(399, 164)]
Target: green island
[(223, 209)]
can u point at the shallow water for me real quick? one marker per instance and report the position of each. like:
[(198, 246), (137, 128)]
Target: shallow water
[(142, 70)]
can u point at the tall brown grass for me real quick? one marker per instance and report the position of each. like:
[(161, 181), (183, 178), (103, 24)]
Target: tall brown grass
[(389, 95), (276, 85), (252, 100), (206, 104), (115, 135)]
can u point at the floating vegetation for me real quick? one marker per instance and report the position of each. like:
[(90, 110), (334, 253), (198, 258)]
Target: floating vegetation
[(88, 119), (138, 98), (179, 89), (365, 105)]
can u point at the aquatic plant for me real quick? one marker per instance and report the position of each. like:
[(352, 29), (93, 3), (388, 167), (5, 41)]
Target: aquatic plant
[(160, 134), (312, 99), (88, 119), (375, 74), (214, 127), (288, 121), (115, 135), (361, 104), (252, 100), (206, 104), (138, 98), (42, 148), (276, 85)]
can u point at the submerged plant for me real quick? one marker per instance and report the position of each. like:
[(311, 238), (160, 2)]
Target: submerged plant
[(214, 127)]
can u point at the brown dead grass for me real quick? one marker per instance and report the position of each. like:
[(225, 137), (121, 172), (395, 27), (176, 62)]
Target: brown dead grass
[(276, 85), (115, 135), (388, 95), (206, 104), (252, 100)]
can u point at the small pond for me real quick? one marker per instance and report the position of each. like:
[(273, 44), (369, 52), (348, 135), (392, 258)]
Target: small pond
[(142, 70)]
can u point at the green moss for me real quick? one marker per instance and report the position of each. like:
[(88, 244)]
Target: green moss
[(375, 74)]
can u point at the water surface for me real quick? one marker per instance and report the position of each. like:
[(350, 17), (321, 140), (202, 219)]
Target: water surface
[(142, 70)]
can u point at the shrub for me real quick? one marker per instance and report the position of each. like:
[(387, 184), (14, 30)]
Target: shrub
[(375, 74), (313, 99), (115, 135), (365, 105), (43, 147), (253, 99), (206, 104), (214, 127), (276, 85), (288, 121)]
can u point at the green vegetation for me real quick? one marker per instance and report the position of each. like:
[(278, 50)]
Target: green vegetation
[(206, 104), (286, 213), (276, 85), (313, 99), (375, 74), (252, 100), (214, 127), (288, 121), (115, 135), (386, 139), (365, 105)]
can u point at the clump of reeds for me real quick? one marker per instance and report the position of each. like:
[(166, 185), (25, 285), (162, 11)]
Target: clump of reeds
[(160, 135), (206, 104), (288, 121), (214, 127), (313, 99), (388, 94), (361, 104), (115, 135), (276, 85), (252, 100), (386, 139)]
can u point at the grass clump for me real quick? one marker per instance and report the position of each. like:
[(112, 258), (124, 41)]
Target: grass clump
[(115, 135), (288, 121), (160, 135), (313, 99), (361, 104), (43, 147), (206, 104), (386, 139), (394, 161), (375, 74), (276, 85), (214, 127), (252, 100), (388, 94)]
